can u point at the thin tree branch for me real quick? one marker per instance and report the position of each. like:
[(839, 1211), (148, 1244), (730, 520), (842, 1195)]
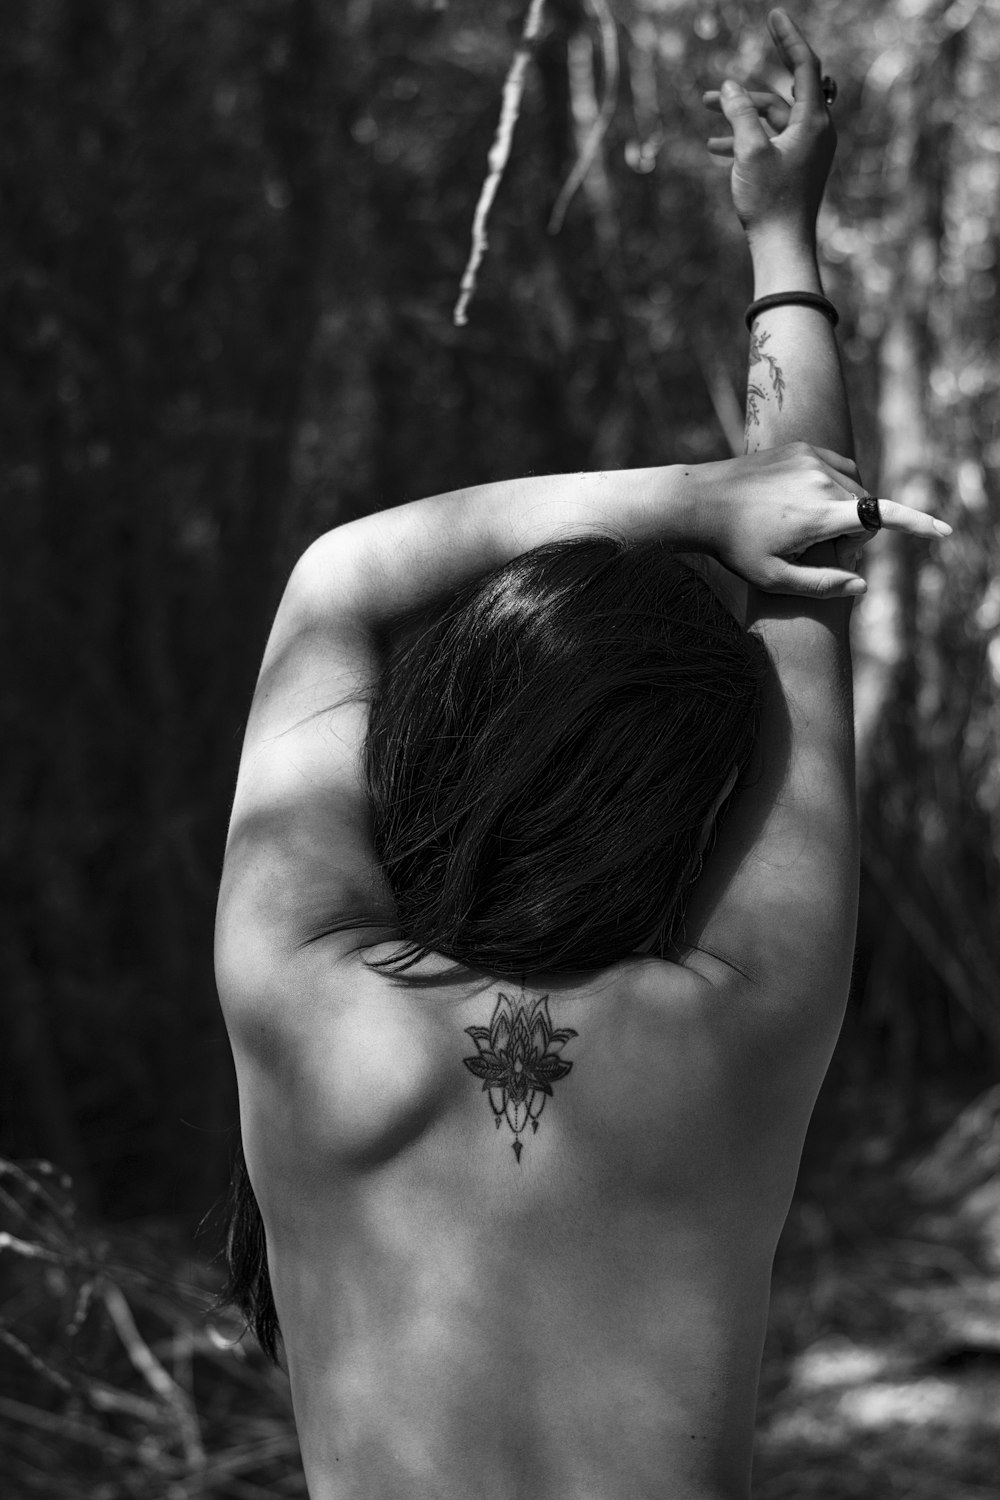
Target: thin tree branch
[(510, 107), (155, 1376), (29, 1250), (722, 395), (586, 110), (35, 1361), (609, 98)]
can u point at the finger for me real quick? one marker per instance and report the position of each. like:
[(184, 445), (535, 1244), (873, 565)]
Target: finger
[(777, 112), (898, 517), (801, 61), (817, 583), (845, 466), (764, 103), (769, 106), (772, 110), (723, 144), (748, 132)]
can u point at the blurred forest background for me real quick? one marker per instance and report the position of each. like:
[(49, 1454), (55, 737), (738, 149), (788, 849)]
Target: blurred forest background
[(231, 240)]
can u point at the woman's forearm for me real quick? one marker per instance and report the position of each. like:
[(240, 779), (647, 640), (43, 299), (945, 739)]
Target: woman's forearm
[(385, 565), (795, 392), (795, 387), (375, 570)]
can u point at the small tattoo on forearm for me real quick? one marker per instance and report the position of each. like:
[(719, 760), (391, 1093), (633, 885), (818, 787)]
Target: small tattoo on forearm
[(755, 395), (518, 1059), (756, 392)]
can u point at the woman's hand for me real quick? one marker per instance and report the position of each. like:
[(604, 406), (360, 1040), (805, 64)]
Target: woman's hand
[(781, 153), (762, 512)]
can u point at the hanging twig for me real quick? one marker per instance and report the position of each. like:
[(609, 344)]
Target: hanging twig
[(609, 50), (641, 152), (586, 110), (513, 92)]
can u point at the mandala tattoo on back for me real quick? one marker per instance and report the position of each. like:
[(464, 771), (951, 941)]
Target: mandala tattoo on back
[(518, 1059)]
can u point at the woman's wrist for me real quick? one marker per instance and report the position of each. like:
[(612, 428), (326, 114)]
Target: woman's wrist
[(701, 497), (783, 260)]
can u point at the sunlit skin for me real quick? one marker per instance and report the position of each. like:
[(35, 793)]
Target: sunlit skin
[(471, 1306), (582, 1321)]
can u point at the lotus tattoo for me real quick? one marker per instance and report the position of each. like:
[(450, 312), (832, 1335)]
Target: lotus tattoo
[(518, 1059)]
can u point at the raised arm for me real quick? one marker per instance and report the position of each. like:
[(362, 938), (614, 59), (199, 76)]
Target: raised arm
[(299, 861), (301, 887), (780, 893)]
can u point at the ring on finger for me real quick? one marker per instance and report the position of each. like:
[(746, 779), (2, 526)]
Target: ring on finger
[(868, 513), (829, 87)]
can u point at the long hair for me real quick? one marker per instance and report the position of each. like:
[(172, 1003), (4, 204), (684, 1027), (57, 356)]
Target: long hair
[(248, 1282), (540, 760)]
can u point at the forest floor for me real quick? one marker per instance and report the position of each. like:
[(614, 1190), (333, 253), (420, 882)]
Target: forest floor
[(881, 1376), (881, 1372)]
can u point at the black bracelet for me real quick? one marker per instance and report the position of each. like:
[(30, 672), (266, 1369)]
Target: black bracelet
[(792, 299)]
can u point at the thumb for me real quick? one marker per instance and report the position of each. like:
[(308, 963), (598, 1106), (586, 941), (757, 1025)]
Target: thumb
[(741, 112), (818, 583)]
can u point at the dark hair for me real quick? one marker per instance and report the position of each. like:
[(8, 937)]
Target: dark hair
[(248, 1283), (541, 758), (540, 761)]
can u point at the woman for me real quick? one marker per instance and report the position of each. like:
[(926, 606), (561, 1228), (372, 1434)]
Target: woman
[(523, 1089)]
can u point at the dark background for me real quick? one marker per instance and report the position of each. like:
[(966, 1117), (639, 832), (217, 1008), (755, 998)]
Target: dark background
[(231, 239)]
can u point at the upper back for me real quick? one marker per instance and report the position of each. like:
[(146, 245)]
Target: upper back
[(589, 1171), (648, 1063)]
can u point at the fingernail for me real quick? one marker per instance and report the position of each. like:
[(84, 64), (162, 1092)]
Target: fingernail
[(856, 586), (942, 528), (729, 87)]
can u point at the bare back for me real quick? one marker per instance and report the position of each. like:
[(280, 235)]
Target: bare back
[(562, 1299), (581, 1318)]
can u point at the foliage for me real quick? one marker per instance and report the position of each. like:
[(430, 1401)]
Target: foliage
[(118, 1377)]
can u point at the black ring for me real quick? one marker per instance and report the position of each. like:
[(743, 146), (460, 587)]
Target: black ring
[(829, 87), (868, 513)]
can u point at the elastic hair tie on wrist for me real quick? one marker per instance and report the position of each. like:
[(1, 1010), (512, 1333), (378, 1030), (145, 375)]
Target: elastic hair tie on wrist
[(792, 299)]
